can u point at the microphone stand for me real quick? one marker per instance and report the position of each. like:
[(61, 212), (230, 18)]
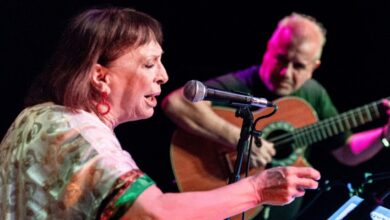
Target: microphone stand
[(243, 143)]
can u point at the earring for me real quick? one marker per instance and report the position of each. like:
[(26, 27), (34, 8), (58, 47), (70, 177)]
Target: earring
[(103, 106)]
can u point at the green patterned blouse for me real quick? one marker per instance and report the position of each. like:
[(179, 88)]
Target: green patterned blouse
[(59, 164)]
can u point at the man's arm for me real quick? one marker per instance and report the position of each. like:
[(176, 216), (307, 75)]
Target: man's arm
[(362, 146), (200, 119)]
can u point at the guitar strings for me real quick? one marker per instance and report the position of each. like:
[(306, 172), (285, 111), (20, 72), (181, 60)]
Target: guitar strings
[(328, 127)]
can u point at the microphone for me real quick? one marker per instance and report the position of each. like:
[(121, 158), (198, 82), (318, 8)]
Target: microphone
[(195, 91)]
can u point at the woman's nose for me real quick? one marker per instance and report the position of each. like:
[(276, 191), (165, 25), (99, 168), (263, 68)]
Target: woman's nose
[(162, 75)]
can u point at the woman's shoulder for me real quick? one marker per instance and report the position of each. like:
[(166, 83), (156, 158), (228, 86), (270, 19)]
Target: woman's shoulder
[(76, 131), (49, 120), (38, 115)]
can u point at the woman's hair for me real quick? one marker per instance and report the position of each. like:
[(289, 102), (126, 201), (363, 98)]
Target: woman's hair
[(94, 36)]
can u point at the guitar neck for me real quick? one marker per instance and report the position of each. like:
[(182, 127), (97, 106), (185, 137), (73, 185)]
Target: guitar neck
[(333, 126)]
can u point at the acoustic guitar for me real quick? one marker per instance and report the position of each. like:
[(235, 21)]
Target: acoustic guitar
[(201, 164)]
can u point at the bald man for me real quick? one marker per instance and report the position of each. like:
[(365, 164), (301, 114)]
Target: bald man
[(293, 53)]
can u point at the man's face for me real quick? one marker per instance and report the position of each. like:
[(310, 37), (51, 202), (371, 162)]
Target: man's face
[(286, 65)]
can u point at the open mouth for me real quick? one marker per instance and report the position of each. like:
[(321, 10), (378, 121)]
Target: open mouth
[(151, 99)]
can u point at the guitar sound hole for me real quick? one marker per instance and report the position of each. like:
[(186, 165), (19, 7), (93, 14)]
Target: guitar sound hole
[(282, 143)]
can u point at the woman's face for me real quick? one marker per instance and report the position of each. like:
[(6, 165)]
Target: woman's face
[(135, 80)]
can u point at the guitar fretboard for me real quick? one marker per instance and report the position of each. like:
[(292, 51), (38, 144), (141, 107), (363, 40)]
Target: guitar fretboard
[(330, 127)]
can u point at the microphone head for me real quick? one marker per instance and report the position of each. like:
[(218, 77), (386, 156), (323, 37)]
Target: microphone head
[(194, 91)]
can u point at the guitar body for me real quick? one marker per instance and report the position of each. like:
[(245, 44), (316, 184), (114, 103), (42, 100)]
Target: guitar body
[(201, 164)]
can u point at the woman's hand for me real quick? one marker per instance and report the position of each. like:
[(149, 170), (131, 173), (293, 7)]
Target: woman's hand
[(281, 185)]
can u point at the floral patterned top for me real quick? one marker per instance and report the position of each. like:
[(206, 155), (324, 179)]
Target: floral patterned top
[(59, 164)]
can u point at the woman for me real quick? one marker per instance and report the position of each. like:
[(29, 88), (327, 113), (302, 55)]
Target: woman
[(61, 159)]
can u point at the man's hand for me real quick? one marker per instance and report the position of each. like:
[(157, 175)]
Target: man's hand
[(261, 155)]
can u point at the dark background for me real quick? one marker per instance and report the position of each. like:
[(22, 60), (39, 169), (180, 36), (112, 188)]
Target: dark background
[(205, 39)]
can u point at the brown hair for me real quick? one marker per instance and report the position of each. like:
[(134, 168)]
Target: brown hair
[(94, 36)]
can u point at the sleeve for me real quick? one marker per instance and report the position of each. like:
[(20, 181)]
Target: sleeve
[(127, 188), (238, 81), (234, 81), (118, 181), (224, 82), (101, 187), (79, 170)]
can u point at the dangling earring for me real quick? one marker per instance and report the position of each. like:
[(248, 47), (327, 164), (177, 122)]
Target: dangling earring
[(103, 106)]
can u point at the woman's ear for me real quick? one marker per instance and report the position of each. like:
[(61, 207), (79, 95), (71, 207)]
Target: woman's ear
[(99, 79)]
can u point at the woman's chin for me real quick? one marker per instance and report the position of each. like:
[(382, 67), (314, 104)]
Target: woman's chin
[(147, 114)]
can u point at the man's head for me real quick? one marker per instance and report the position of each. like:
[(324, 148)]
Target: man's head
[(293, 53)]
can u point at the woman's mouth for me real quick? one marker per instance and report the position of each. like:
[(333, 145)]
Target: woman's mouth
[(151, 99)]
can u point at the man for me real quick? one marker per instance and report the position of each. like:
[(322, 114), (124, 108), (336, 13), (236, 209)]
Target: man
[(293, 53)]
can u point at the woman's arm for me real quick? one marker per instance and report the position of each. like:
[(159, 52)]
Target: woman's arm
[(275, 186)]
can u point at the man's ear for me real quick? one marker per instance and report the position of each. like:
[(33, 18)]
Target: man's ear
[(317, 64), (99, 78)]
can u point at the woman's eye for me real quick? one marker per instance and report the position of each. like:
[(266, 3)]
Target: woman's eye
[(149, 65)]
